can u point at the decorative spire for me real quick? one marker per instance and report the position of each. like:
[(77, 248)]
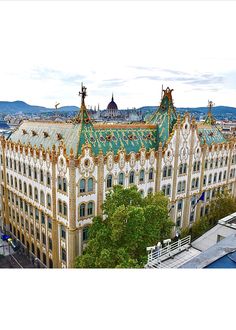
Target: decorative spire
[(112, 98), (83, 94), (209, 118), (83, 116)]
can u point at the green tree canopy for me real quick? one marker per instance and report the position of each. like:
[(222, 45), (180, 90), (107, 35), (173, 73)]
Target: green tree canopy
[(222, 205), (130, 224)]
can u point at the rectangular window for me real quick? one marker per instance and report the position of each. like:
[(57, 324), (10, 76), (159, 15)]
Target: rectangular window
[(85, 233), (63, 254), (50, 244), (63, 232), (49, 223)]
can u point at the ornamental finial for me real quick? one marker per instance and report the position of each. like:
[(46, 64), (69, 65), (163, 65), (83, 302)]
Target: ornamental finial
[(83, 94)]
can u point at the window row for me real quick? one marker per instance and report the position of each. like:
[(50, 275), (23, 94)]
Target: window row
[(215, 163), (121, 178), (214, 179), (29, 171), (181, 186), (86, 185)]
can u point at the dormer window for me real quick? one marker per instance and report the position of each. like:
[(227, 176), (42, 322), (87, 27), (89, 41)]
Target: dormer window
[(34, 133), (45, 134), (24, 131)]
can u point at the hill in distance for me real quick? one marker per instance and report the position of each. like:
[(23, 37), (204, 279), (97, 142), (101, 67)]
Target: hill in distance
[(22, 107)]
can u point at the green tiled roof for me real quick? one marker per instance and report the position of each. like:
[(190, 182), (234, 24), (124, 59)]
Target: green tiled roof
[(46, 134), (110, 138), (210, 134), (165, 117)]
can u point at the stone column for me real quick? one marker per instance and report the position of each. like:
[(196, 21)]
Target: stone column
[(187, 200), (199, 204), (100, 182), (158, 168), (55, 242), (5, 211), (175, 169), (71, 253)]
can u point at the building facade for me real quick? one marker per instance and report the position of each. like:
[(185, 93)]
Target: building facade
[(55, 176)]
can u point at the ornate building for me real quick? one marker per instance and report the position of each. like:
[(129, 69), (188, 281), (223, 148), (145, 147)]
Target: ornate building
[(55, 176), (112, 108)]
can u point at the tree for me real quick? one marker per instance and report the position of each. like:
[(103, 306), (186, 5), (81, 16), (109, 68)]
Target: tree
[(130, 224), (219, 207)]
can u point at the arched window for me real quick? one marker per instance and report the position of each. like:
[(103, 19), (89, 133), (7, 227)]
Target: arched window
[(35, 174), (141, 176), (82, 186), (11, 177), (19, 167), (141, 193), (204, 180), (179, 187), (49, 200), (41, 176), (198, 166), (185, 168), (168, 190), (179, 204), (220, 176), (30, 191), (16, 183), (90, 208), (194, 166), (82, 210), (25, 188), (181, 169), (59, 206), (109, 181), (150, 174), (20, 185), (29, 171), (59, 183), (206, 164), (121, 179), (226, 160), (150, 191), (48, 179), (211, 163), (215, 177), (183, 186), (36, 197), (216, 162), (224, 176), (64, 185), (164, 189), (164, 172), (197, 183), (24, 169), (131, 177), (210, 179), (169, 171), (64, 208), (42, 198), (90, 184), (193, 183)]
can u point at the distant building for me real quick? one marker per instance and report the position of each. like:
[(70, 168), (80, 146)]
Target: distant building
[(55, 175)]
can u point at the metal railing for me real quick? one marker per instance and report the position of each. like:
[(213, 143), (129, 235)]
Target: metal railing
[(157, 255)]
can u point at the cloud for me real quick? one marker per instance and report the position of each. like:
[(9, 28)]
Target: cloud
[(185, 78), (51, 74), (114, 82)]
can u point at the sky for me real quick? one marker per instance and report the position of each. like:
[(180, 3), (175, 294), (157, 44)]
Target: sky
[(127, 48)]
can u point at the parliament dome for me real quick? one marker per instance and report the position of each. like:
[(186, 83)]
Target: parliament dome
[(112, 105)]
